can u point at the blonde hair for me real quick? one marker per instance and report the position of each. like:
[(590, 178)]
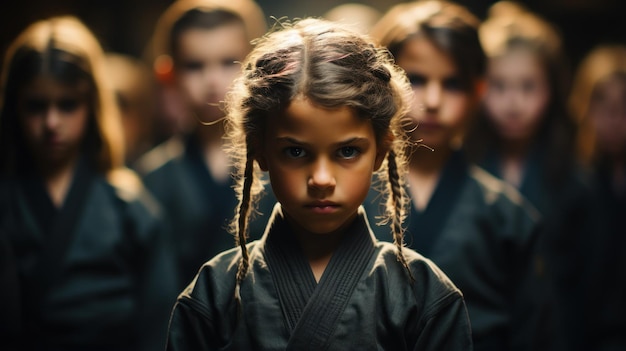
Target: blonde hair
[(601, 63), (64, 48), (332, 67)]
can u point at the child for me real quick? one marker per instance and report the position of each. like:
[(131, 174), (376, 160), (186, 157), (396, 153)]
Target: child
[(93, 269), (319, 108), (206, 40), (477, 229), (526, 136), (598, 103)]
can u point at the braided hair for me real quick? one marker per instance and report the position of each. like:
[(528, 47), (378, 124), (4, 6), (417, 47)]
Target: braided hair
[(332, 67)]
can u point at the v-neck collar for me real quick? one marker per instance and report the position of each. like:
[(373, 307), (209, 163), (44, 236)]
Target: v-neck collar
[(312, 309)]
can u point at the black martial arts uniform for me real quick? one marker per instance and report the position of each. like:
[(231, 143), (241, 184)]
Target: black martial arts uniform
[(198, 208), (93, 274), (481, 233), (363, 301), (604, 282), (567, 220)]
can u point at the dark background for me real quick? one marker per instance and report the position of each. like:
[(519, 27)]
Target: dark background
[(125, 26)]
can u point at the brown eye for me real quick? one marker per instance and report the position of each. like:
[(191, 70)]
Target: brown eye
[(417, 80), (68, 105), (192, 66)]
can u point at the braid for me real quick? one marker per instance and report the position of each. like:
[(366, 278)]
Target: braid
[(397, 215), (242, 222)]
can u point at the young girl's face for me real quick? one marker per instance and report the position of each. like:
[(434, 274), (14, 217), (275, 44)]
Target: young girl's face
[(54, 118), (607, 110), (441, 106), (320, 164), (518, 93), (207, 64)]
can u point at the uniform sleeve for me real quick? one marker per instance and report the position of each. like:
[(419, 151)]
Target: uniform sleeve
[(446, 328), (190, 326)]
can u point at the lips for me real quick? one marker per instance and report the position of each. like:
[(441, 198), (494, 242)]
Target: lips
[(323, 207), (428, 126)]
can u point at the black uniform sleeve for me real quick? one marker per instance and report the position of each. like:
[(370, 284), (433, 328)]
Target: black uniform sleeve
[(446, 328)]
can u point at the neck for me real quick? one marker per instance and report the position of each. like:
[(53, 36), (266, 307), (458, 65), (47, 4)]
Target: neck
[(57, 179), (319, 248), (424, 161), (425, 168), (515, 149), (209, 135), (211, 141)]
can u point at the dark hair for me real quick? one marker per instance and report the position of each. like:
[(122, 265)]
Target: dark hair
[(332, 67), (511, 27), (448, 26), (207, 14), (201, 19), (65, 50)]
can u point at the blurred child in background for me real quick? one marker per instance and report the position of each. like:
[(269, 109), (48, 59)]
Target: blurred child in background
[(190, 174), (526, 137), (598, 103), (93, 269), (478, 229)]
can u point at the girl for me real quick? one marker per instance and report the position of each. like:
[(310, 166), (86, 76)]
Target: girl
[(477, 229), (319, 108), (598, 103), (206, 40), (91, 260), (526, 137)]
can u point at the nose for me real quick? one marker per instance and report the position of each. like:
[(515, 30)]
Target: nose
[(432, 96), (321, 177), (52, 118)]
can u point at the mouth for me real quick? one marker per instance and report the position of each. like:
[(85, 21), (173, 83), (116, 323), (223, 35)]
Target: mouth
[(428, 126), (322, 207)]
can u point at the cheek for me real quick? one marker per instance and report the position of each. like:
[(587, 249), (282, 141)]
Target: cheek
[(493, 105), (536, 108), (189, 85), (32, 128), (285, 182), (457, 110)]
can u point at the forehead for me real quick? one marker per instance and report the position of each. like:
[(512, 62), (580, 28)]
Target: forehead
[(227, 39), (614, 85), (419, 54), (51, 88), (518, 62), (312, 123)]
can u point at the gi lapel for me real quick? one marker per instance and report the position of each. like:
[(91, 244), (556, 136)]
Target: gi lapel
[(323, 304), (291, 273), (58, 237)]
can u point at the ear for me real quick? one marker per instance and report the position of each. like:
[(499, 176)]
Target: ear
[(382, 149)]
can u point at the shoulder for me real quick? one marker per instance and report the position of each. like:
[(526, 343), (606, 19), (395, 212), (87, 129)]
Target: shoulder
[(430, 286), (214, 285), (502, 197), (159, 157)]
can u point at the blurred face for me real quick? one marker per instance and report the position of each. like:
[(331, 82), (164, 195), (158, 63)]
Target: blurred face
[(441, 106), (54, 118), (206, 65), (517, 96), (320, 164), (607, 111)]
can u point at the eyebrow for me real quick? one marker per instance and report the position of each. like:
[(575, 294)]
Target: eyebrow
[(340, 143)]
